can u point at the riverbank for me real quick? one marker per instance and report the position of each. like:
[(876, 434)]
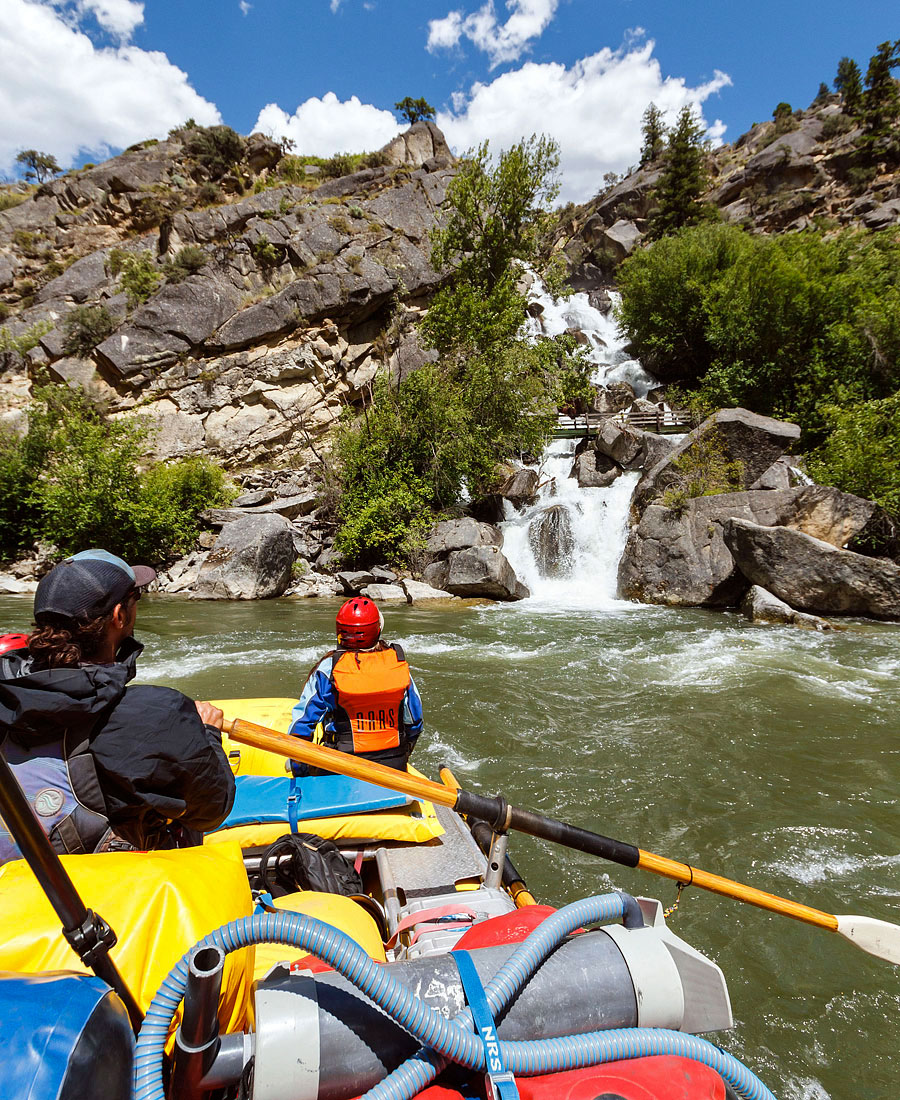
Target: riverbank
[(766, 755)]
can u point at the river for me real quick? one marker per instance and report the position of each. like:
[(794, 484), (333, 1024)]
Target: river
[(765, 754)]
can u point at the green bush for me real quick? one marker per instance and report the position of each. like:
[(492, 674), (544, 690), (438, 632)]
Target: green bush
[(341, 164), (860, 454), (209, 194), (217, 148), (267, 256), (780, 325), (75, 480), (9, 199), (140, 277), (702, 471), (86, 327), (29, 339), (835, 125), (443, 433), (188, 261)]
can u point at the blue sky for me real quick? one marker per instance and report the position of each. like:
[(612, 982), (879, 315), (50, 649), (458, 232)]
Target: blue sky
[(85, 78)]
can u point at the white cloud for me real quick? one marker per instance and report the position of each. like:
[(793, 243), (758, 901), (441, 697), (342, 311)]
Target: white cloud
[(501, 42), (245, 7), (320, 127), (593, 110), (334, 5), (118, 17), (62, 94)]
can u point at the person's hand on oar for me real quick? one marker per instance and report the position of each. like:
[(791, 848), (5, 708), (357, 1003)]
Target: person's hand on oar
[(877, 937)]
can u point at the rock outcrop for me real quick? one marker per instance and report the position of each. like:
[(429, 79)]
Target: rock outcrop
[(680, 558), (760, 606), (813, 575), (748, 441), (251, 560)]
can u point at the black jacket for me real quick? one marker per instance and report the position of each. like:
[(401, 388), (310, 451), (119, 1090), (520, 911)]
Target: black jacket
[(155, 759)]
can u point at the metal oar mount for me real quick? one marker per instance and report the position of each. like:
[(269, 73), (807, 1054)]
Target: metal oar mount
[(877, 937)]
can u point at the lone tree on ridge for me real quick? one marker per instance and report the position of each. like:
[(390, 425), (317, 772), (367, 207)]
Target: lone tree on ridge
[(414, 110), (41, 166)]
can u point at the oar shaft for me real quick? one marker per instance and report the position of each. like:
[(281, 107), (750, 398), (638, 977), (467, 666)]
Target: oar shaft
[(498, 813)]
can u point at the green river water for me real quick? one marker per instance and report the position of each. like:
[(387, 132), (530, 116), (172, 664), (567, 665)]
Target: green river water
[(768, 755)]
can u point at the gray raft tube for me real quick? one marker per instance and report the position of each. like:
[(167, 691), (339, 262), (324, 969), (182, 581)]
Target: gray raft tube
[(305, 1052)]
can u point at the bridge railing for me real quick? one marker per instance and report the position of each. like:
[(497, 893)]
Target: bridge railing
[(662, 422)]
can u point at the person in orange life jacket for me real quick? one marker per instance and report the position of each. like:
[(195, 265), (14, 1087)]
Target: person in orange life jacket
[(362, 692), (99, 764)]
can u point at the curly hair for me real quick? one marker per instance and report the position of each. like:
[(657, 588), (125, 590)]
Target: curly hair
[(57, 646)]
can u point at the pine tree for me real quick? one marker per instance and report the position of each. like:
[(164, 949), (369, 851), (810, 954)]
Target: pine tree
[(881, 100), (848, 83), (683, 177), (654, 131), (822, 94), (414, 110)]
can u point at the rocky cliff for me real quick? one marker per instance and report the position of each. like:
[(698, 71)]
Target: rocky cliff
[(266, 304), (808, 171)]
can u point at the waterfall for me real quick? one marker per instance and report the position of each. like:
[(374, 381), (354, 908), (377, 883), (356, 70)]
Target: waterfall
[(567, 545), (583, 572)]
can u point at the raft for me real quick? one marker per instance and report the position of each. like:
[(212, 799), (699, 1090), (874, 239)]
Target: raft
[(443, 979)]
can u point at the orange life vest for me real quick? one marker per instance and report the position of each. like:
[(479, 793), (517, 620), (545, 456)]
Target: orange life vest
[(370, 686)]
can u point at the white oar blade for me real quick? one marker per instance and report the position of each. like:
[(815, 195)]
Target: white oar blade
[(878, 937)]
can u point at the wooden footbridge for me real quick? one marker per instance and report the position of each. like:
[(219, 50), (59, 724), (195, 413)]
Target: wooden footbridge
[(662, 422)]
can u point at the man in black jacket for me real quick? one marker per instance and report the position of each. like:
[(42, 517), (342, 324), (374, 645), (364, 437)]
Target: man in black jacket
[(102, 765)]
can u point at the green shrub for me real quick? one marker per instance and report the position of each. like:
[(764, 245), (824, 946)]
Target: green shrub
[(835, 125), (266, 254), (188, 261), (75, 480), (29, 339), (209, 194), (86, 327), (9, 199), (702, 471), (140, 277), (217, 148), (781, 325), (341, 164), (860, 454), (340, 224)]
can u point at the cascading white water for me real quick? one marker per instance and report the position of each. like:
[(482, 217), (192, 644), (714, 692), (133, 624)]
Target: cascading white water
[(605, 346), (598, 522), (595, 523)]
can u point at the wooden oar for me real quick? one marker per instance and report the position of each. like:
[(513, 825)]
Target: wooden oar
[(877, 937)]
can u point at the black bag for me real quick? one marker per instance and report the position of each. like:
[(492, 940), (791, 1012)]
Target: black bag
[(314, 864)]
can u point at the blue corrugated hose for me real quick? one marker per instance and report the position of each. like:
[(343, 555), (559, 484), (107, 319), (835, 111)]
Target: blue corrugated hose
[(445, 1040)]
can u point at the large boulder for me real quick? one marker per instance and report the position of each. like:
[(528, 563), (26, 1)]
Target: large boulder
[(520, 488), (482, 571), (419, 592), (760, 606), (621, 444), (593, 470), (680, 557), (828, 514), (421, 143), (813, 575), (460, 534), (552, 541), (251, 560), (746, 438)]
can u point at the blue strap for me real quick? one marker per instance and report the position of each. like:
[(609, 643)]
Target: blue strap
[(500, 1082), (293, 803)]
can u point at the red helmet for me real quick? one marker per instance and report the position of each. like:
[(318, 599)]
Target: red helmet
[(12, 641), (359, 624)]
